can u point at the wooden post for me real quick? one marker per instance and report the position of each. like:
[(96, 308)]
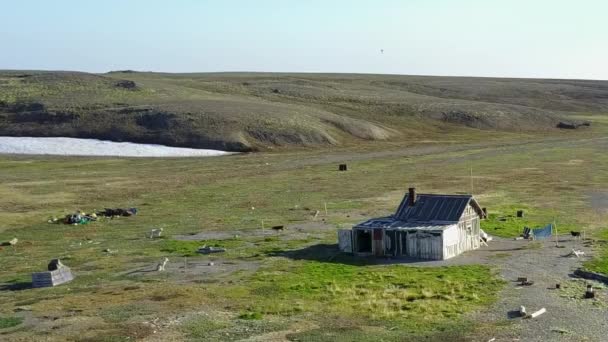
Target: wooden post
[(555, 227), (325, 208), (262, 227), (185, 264)]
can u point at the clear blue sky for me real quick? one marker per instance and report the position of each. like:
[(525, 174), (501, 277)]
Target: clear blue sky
[(514, 38)]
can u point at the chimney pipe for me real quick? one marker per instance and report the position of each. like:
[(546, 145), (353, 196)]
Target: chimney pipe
[(412, 196)]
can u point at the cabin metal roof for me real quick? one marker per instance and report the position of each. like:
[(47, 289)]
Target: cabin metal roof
[(433, 208), (392, 223)]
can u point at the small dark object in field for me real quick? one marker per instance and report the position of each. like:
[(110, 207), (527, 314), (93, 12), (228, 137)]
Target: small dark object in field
[(278, 228), (126, 84), (523, 281), (276, 91), (520, 213), (55, 264), (245, 83), (342, 167), (589, 292), (108, 212), (566, 125), (558, 286), (210, 249), (572, 125), (575, 234)]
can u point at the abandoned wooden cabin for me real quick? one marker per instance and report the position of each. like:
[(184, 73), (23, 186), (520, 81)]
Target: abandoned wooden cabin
[(425, 226)]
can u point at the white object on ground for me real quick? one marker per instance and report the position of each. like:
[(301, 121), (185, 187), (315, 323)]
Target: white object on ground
[(155, 233), (538, 313), (94, 147), (485, 236), (522, 311), (161, 265), (577, 253)]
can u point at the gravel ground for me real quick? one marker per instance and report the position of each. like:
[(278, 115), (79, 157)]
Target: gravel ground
[(93, 147), (569, 317)]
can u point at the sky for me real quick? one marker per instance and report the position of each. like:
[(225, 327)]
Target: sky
[(503, 38)]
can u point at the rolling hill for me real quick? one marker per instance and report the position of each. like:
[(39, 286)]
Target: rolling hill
[(259, 111)]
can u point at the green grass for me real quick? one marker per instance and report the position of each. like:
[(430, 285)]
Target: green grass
[(9, 322), (409, 297), (600, 262), (294, 279)]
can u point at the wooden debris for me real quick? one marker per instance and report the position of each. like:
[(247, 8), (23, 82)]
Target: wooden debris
[(522, 311), (13, 242), (161, 265), (155, 233), (538, 313)]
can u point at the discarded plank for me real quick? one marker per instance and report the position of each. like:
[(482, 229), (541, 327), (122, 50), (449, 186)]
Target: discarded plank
[(538, 313)]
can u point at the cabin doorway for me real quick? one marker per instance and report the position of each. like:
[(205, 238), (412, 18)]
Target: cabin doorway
[(363, 240)]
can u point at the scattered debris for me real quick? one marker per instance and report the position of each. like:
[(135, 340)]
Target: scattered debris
[(575, 234), (10, 243), (77, 218), (577, 253), (315, 215), (526, 234), (537, 313), (572, 125), (57, 274), (277, 228), (520, 213), (108, 212), (484, 236), (558, 286), (523, 281), (589, 292), (342, 167), (155, 233), (211, 249), (210, 263), (161, 265), (109, 251), (522, 311)]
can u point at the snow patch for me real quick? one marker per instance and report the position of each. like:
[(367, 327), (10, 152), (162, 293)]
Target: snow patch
[(94, 147)]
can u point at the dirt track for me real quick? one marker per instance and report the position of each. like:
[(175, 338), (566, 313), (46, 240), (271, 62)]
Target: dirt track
[(569, 317)]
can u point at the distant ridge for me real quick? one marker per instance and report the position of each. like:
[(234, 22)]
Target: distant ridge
[(259, 111)]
